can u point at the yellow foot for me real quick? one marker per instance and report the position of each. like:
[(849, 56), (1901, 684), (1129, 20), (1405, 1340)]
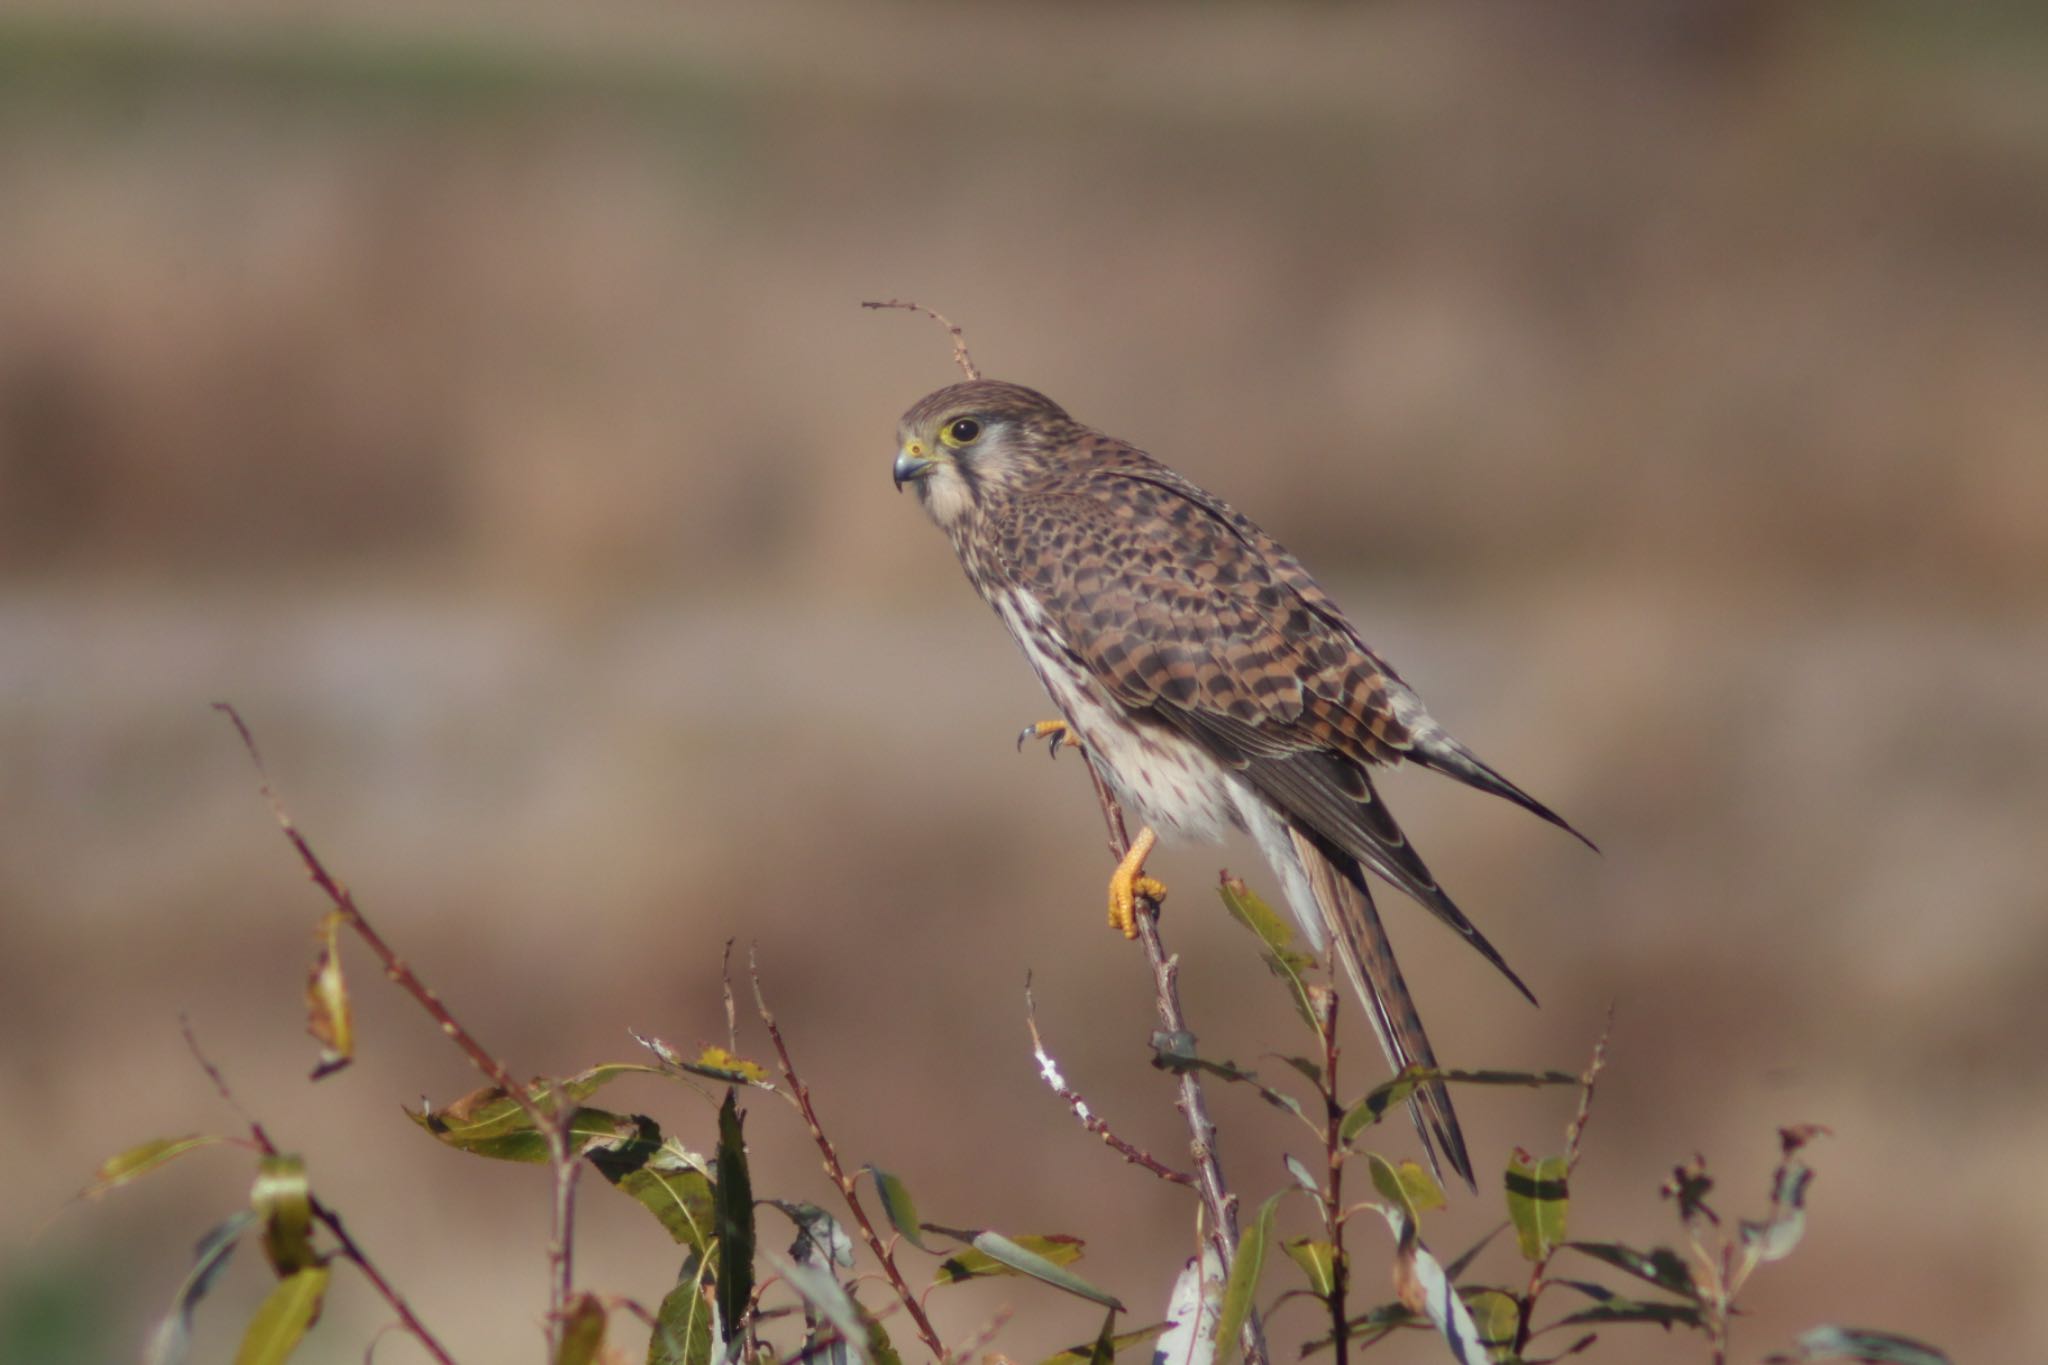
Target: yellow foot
[(1129, 882), (1054, 731)]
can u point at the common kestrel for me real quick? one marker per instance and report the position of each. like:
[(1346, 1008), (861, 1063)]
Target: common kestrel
[(1208, 679)]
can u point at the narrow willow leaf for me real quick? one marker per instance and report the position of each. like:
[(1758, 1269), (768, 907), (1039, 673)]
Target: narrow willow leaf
[(1057, 1247), (1174, 1052), (1369, 1326), (901, 1208), (1456, 1269), (1384, 1097), (1497, 1317), (1318, 1261), (282, 1199), (1387, 1181), (1303, 1176), (733, 1201), (1104, 1352), (1083, 1353), (684, 1331), (328, 1017), (1024, 1260), (1276, 936), (720, 1065), (1660, 1266), (824, 1293), (669, 1181), (582, 1336), (1191, 1312), (1424, 1288), (171, 1343), (1537, 1203), (1829, 1342), (138, 1161), (282, 1318), (1244, 1281), (1619, 1309)]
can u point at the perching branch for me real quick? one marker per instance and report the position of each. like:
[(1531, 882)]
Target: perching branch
[(1218, 1202)]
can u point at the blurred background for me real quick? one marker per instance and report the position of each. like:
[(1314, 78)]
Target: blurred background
[(477, 395)]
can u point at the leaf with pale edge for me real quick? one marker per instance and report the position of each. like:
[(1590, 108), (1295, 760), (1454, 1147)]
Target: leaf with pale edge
[(171, 1343), (1538, 1199), (488, 1122), (1191, 1312), (1424, 1288), (282, 1199), (327, 1009), (1829, 1342), (139, 1160), (1244, 1281), (282, 1318), (1382, 1098), (899, 1206), (1497, 1317), (1040, 1257), (733, 1206)]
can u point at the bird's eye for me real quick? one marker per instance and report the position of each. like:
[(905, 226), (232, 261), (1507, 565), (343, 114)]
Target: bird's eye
[(962, 431)]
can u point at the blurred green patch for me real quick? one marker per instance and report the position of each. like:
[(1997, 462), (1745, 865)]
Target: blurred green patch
[(54, 1313)]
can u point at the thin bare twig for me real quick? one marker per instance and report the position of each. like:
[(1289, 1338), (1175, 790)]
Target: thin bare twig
[(349, 1248), (800, 1095), (960, 355), (1049, 1072), (553, 1125), (1219, 1203), (981, 1338)]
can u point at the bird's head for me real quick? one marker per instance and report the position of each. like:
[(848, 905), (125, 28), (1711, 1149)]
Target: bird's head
[(971, 441)]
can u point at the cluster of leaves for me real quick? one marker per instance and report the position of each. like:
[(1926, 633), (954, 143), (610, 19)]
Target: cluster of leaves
[(736, 1298), (1485, 1323)]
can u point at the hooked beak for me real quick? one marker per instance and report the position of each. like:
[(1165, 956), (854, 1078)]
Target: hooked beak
[(911, 465)]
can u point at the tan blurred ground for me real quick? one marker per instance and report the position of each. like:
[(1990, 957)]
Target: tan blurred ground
[(477, 396)]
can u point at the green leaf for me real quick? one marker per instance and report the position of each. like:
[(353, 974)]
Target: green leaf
[(669, 1181), (282, 1318), (138, 1161), (1829, 1342), (1497, 1317), (1276, 936), (1086, 1352), (721, 1065), (684, 1333), (1660, 1266), (733, 1204), (1369, 1326), (1420, 1186), (1388, 1182), (1318, 1261), (824, 1293), (1538, 1199), (171, 1343), (1038, 1257), (327, 1009), (1174, 1053), (1456, 1268), (1057, 1247), (1618, 1309), (901, 1208), (282, 1199), (1384, 1097), (489, 1122), (582, 1337), (881, 1351), (1244, 1281)]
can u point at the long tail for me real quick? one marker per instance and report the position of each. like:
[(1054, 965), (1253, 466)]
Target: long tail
[(1360, 942)]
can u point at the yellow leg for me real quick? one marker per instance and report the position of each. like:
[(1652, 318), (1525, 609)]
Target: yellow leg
[(1055, 731), (1129, 882)]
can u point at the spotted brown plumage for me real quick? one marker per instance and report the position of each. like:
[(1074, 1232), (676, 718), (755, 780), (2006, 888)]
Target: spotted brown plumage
[(1210, 680)]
